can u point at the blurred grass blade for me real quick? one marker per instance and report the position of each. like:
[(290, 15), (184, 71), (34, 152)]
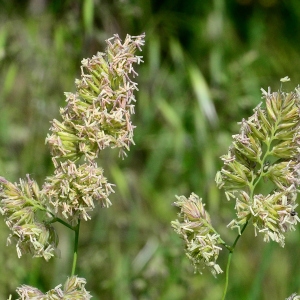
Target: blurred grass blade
[(202, 93), (176, 51), (3, 39), (9, 80), (144, 256), (255, 291), (154, 56), (158, 156), (88, 15), (119, 178), (169, 113)]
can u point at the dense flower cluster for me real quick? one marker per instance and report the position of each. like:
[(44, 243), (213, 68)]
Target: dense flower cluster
[(73, 190), (74, 289), (267, 148), (194, 226), (20, 204), (97, 116)]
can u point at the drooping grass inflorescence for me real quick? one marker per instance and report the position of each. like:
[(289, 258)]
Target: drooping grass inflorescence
[(202, 241), (97, 116)]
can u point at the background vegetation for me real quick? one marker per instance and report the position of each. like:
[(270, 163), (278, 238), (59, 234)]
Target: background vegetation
[(205, 62)]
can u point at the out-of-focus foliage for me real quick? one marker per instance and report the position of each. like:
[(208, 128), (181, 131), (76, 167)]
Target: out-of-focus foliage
[(205, 62)]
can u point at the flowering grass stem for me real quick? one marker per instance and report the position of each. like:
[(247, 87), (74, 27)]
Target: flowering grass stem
[(266, 150), (63, 222), (97, 116), (229, 261), (75, 254)]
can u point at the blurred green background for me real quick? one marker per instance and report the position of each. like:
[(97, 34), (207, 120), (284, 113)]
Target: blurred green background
[(205, 62)]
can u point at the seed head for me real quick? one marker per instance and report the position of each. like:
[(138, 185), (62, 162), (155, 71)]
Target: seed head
[(98, 115), (267, 148), (194, 226), (26, 216), (74, 289)]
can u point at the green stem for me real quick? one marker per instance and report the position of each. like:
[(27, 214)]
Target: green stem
[(229, 261), (227, 274), (76, 229), (265, 156), (62, 222)]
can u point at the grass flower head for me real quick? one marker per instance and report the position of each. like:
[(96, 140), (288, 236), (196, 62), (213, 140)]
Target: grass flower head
[(267, 148), (98, 115), (26, 216), (201, 240)]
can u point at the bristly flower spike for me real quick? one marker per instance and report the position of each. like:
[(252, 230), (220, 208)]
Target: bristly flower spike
[(267, 148), (98, 115), (202, 242)]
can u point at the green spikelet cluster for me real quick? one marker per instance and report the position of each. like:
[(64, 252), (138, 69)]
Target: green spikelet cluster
[(194, 226), (265, 151), (98, 115)]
